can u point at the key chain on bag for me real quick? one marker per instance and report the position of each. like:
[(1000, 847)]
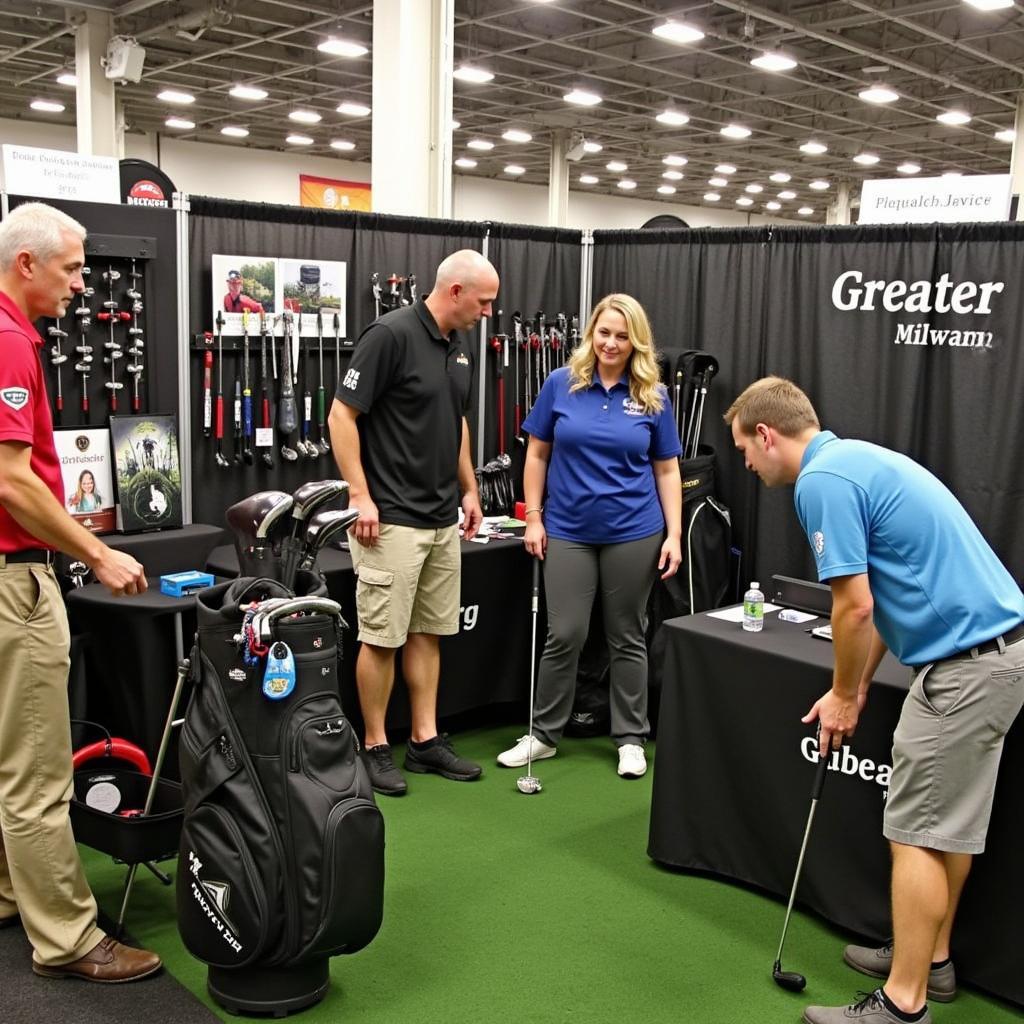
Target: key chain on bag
[(279, 676)]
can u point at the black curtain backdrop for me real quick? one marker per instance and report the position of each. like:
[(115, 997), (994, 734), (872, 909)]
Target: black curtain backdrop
[(367, 243), (772, 301), (540, 272)]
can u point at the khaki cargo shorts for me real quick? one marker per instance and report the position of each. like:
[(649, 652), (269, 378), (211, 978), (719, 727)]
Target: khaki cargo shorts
[(946, 750), (408, 582)]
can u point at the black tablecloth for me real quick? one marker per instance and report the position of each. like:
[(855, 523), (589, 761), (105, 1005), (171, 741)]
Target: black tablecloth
[(487, 662), (732, 790)]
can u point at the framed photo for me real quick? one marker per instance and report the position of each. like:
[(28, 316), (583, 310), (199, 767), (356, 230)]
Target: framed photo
[(86, 470), (312, 288), (243, 283), (147, 472)]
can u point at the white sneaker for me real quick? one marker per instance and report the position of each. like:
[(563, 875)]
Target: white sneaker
[(516, 756), (632, 763)]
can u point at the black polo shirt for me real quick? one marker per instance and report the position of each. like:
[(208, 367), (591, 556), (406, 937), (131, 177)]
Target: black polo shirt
[(412, 387)]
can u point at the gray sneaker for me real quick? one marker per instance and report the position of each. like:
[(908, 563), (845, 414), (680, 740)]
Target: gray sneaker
[(870, 1010), (878, 962)]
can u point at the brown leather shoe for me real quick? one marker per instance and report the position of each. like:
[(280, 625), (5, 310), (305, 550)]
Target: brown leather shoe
[(109, 962)]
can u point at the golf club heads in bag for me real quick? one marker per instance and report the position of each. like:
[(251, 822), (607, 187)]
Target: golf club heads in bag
[(252, 522), (307, 500), (321, 529), (281, 863)]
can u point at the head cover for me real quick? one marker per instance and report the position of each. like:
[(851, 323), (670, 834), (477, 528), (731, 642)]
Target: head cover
[(234, 275)]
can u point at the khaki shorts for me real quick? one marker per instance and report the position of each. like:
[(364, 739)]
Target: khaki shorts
[(946, 750), (408, 582)]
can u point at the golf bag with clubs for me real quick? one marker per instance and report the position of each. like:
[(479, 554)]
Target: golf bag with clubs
[(281, 861)]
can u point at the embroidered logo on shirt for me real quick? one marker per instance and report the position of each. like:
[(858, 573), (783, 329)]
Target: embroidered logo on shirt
[(632, 408), (462, 360), (818, 540), (351, 379), (16, 398)]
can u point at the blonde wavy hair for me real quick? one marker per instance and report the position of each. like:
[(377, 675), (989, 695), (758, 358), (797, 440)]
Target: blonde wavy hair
[(643, 366)]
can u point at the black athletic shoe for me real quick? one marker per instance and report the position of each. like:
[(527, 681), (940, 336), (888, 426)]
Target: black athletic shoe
[(384, 776), (441, 758)]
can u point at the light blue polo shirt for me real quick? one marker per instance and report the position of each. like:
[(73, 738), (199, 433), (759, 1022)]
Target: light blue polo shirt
[(938, 587), (600, 482)]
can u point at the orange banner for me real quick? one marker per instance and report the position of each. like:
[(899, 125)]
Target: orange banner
[(332, 194)]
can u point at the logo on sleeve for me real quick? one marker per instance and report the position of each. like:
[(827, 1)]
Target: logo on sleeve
[(16, 398), (351, 379), (818, 540)]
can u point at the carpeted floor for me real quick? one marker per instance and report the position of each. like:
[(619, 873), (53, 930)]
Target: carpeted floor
[(507, 908)]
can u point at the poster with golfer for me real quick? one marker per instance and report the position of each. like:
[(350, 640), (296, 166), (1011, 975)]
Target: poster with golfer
[(147, 472), (243, 284), (85, 467), (309, 287)]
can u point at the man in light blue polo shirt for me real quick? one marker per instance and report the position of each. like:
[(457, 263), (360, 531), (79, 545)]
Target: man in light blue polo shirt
[(910, 572)]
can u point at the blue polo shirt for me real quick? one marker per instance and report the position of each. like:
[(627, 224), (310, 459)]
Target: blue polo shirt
[(938, 587), (600, 483)]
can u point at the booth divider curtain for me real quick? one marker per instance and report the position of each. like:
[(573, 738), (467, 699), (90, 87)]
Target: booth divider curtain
[(366, 243), (907, 336)]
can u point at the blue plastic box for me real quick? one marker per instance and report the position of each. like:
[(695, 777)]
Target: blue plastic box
[(181, 584)]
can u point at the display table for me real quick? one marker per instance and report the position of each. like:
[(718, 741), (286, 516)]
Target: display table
[(487, 662), (732, 787)]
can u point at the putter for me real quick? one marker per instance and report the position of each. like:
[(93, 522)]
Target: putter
[(529, 783), (792, 980)]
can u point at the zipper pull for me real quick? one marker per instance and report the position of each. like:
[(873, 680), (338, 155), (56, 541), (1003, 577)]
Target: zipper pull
[(227, 751)]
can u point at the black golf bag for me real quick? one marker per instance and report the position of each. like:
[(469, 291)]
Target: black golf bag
[(281, 861)]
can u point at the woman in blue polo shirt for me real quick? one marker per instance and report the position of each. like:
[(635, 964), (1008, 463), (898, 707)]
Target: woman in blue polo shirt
[(603, 510)]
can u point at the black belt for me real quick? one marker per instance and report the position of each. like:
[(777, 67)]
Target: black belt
[(1009, 637), (44, 555)]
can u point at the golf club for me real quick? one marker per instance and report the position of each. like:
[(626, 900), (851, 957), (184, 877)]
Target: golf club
[(791, 980), (307, 499), (529, 783), (320, 529), (251, 521)]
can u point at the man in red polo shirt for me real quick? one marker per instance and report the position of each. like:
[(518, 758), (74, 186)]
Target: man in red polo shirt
[(41, 879)]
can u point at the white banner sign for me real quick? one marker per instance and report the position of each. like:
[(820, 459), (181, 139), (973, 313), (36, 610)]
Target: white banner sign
[(55, 174), (973, 197)]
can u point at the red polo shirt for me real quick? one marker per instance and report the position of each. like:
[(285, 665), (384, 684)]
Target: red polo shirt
[(25, 414)]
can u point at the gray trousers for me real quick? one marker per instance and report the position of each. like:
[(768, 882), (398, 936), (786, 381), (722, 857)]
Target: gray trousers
[(572, 574)]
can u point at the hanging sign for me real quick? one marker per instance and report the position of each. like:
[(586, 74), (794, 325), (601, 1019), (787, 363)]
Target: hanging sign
[(972, 198), (334, 194), (56, 174)]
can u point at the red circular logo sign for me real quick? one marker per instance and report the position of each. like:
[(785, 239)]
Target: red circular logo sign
[(146, 189)]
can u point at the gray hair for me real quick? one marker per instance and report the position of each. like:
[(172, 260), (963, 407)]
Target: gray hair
[(35, 228)]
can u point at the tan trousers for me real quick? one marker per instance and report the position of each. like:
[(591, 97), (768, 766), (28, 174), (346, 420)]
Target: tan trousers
[(41, 875)]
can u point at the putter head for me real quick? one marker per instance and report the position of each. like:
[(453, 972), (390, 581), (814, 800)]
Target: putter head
[(528, 784), (315, 494)]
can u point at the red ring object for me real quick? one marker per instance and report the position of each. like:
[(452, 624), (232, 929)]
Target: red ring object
[(117, 747)]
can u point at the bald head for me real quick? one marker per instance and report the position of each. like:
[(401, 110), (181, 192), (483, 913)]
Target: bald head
[(464, 288)]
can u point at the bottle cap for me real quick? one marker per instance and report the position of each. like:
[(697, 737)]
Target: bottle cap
[(755, 585)]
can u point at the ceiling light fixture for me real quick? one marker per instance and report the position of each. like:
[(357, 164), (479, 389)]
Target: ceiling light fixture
[(234, 131), (954, 117), (867, 159), (952, 174), (990, 5), (517, 135), (673, 118), (481, 144), (712, 197), (719, 182), (813, 148), (47, 106), (772, 205), (514, 169), (589, 179), (667, 190), (456, 125), (353, 109), (772, 61), (299, 140), (805, 211), (470, 73), (248, 92), (677, 32), (754, 188), (819, 185), (744, 201), (627, 184), (592, 147), (305, 116), (345, 145), (181, 123), (725, 169), (674, 161), (617, 166), (176, 96), (464, 161), (582, 98), (1007, 135), (672, 175), (780, 177), (67, 78), (878, 93), (909, 168), (735, 131), (337, 46), (787, 194)]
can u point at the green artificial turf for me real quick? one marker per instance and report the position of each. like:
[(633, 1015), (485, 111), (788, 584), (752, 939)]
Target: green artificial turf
[(510, 908)]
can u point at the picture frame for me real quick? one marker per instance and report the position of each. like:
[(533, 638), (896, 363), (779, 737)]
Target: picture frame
[(87, 473), (147, 472)]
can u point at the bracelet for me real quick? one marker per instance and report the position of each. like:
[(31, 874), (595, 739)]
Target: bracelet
[(539, 508)]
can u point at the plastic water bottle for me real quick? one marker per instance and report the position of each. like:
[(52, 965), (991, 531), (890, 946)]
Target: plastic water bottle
[(753, 608)]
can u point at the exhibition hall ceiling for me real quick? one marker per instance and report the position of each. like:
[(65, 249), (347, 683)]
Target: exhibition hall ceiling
[(874, 89)]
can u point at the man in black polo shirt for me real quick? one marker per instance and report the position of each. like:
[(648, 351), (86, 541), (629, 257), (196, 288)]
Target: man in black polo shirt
[(399, 434)]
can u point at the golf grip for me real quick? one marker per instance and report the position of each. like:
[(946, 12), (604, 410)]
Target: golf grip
[(288, 413), (819, 777)]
